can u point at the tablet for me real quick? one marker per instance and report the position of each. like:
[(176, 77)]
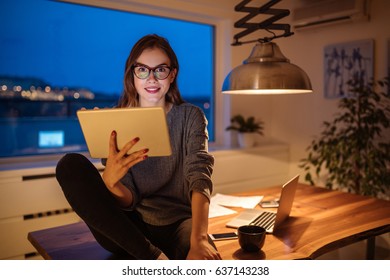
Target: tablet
[(149, 124)]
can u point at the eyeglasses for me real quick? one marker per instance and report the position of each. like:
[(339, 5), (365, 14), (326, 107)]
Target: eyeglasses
[(160, 72)]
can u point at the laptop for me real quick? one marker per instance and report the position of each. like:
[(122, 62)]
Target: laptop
[(149, 124), (267, 219)]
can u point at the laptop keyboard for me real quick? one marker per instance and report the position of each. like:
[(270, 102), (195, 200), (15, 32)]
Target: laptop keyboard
[(265, 220)]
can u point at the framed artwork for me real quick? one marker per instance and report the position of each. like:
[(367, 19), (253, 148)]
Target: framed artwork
[(346, 61)]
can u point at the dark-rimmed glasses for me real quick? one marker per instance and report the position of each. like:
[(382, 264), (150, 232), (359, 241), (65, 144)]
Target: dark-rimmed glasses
[(160, 72)]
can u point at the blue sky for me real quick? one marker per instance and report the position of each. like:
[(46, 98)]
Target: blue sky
[(71, 45)]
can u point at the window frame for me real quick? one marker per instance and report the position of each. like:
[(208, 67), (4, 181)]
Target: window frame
[(222, 24)]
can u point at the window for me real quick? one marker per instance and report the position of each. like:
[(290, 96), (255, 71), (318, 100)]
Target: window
[(61, 57)]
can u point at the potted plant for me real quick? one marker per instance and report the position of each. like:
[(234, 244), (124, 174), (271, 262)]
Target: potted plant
[(247, 128), (352, 147)]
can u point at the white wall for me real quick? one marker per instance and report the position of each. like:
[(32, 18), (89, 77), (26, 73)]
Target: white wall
[(297, 119)]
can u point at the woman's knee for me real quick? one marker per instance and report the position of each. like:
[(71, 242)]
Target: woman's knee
[(71, 160), (74, 169), (71, 164)]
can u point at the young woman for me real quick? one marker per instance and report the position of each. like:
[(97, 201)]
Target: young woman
[(157, 207)]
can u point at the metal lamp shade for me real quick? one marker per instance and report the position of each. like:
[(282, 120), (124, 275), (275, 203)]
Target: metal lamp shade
[(267, 71)]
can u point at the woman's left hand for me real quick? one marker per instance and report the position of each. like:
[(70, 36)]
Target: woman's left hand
[(203, 250)]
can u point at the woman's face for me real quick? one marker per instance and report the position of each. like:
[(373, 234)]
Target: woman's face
[(152, 91)]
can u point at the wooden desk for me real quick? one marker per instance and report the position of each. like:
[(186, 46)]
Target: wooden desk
[(321, 221)]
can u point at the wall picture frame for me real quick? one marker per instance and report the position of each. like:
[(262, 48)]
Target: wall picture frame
[(346, 61)]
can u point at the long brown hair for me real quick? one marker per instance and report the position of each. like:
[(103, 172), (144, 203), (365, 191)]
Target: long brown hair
[(129, 96)]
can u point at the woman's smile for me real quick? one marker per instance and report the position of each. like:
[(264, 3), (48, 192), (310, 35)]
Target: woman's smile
[(152, 89)]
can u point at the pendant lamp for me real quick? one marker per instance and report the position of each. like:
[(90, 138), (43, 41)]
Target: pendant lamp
[(266, 70)]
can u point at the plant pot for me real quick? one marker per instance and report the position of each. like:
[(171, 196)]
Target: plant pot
[(246, 139)]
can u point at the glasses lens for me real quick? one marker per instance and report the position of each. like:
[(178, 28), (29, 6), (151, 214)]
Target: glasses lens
[(141, 72), (162, 72)]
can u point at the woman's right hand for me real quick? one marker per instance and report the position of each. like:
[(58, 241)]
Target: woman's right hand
[(119, 162)]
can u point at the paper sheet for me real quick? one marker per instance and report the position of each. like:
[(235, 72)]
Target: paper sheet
[(218, 201), (216, 210), (236, 201)]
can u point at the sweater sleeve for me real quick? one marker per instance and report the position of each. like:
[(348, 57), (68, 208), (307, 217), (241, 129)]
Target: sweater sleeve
[(198, 163)]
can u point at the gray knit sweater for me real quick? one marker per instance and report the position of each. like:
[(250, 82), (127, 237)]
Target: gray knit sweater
[(162, 186)]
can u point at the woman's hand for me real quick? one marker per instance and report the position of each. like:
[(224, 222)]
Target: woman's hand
[(117, 165), (203, 250)]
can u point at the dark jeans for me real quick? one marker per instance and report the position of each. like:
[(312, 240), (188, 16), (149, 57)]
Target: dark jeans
[(118, 231)]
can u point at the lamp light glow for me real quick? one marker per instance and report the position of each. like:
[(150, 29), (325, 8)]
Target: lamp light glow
[(266, 70)]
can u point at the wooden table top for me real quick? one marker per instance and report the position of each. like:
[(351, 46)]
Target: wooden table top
[(321, 221)]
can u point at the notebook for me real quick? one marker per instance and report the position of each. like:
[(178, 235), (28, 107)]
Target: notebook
[(149, 124), (267, 219)]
